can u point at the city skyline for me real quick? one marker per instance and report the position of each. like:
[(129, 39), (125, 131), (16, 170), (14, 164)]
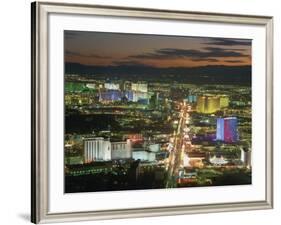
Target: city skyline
[(154, 111)]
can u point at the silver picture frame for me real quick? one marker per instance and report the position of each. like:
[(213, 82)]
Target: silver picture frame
[(40, 102)]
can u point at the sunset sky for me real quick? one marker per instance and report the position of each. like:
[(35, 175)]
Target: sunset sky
[(114, 49)]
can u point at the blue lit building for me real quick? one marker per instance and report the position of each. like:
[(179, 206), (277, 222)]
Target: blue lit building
[(220, 129), (110, 96), (134, 96), (227, 129), (129, 95), (192, 98)]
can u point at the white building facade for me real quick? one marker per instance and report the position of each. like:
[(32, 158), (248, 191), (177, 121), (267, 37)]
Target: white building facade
[(112, 86), (246, 157), (140, 87), (96, 149), (144, 155), (99, 149), (121, 150)]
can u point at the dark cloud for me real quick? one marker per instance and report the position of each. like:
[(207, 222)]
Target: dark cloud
[(72, 53), (173, 53), (229, 42), (127, 63), (234, 61), (221, 52), (204, 60)]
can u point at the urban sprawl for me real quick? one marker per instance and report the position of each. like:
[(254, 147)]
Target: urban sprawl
[(128, 135)]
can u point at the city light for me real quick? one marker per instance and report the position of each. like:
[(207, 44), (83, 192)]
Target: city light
[(141, 122)]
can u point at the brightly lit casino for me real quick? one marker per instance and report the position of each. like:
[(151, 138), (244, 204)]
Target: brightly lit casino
[(227, 129)]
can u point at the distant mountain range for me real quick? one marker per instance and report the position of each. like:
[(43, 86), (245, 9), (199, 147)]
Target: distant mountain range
[(197, 75)]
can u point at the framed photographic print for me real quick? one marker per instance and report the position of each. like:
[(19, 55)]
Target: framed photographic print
[(146, 112)]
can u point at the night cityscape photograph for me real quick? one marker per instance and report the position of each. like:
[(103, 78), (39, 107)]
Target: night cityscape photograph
[(146, 111)]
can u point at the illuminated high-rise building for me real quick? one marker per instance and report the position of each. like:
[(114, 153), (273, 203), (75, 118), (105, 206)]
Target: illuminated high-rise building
[(208, 104), (121, 150), (224, 101), (246, 157), (192, 98), (96, 149), (126, 86), (144, 155), (100, 149), (110, 96), (112, 86), (200, 104), (129, 95), (140, 95), (135, 96), (220, 129), (139, 87), (227, 129)]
